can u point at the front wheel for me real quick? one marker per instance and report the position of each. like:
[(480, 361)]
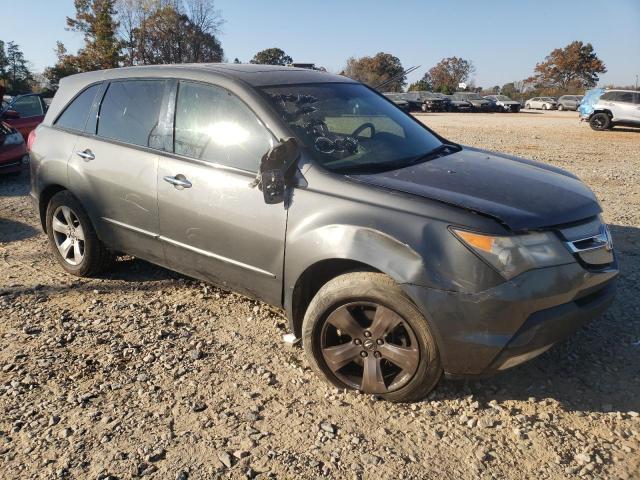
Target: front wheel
[(362, 332), (600, 121), (560, 107)]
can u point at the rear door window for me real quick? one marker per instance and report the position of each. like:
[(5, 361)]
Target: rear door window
[(624, 97), (130, 111), (213, 124), (74, 117), (29, 106)]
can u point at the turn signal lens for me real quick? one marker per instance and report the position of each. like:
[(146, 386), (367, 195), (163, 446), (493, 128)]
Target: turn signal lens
[(481, 242)]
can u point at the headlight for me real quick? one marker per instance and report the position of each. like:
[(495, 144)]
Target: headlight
[(13, 139), (512, 255)]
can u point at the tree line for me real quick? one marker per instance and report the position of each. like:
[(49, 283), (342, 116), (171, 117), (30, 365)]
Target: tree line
[(151, 32)]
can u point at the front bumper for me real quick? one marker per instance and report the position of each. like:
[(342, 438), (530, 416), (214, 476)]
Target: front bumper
[(481, 333)]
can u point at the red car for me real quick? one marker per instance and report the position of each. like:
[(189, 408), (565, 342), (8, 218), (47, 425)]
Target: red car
[(24, 113), (13, 151)]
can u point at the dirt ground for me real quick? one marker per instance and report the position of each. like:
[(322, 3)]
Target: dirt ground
[(144, 373)]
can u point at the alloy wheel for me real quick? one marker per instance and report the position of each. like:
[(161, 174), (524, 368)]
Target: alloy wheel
[(68, 235), (369, 347)]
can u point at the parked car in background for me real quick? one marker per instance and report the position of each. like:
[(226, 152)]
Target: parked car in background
[(398, 99), (24, 113), (478, 103), (426, 101), (504, 103), (396, 254), (13, 151), (459, 105), (541, 103), (569, 102), (605, 109)]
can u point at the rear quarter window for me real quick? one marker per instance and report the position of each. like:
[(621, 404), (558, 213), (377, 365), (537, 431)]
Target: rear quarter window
[(74, 116)]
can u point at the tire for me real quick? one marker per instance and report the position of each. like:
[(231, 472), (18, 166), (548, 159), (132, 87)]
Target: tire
[(527, 106), (423, 107), (600, 121), (91, 256), (363, 301), (544, 106), (560, 107)]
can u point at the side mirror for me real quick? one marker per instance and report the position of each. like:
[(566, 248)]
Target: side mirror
[(273, 168), (11, 115)]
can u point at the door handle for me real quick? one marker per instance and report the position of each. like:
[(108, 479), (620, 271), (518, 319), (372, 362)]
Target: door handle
[(179, 181), (86, 154)]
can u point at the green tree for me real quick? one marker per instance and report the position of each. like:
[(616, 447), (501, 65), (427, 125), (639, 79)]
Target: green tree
[(168, 36), (65, 66), (4, 63), (377, 69), (449, 72), (96, 19), (272, 56), (575, 66), (425, 84), (18, 76)]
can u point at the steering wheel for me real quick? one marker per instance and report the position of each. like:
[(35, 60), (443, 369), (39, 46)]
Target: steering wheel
[(363, 127)]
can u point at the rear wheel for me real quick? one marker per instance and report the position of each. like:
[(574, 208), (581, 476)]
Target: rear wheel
[(600, 121), (544, 106), (560, 107), (362, 332), (72, 238)]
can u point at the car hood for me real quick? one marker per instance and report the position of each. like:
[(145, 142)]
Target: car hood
[(520, 193), (508, 102)]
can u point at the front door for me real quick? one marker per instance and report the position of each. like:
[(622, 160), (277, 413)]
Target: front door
[(214, 225)]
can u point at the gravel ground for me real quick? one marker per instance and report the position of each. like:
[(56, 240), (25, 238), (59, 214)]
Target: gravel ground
[(144, 373)]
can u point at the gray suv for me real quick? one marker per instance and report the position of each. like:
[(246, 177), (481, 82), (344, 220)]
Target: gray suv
[(397, 254)]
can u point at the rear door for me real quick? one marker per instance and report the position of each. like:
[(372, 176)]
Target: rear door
[(213, 224), (623, 106), (114, 168)]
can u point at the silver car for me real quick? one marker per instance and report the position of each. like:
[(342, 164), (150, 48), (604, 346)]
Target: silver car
[(569, 102), (541, 103), (396, 254)]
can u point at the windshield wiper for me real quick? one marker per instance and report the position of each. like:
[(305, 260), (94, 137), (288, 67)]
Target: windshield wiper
[(439, 151)]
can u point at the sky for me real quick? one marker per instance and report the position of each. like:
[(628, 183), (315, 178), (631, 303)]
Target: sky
[(503, 38)]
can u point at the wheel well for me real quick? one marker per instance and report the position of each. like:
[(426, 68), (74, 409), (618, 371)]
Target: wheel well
[(312, 279), (45, 198), (608, 112)]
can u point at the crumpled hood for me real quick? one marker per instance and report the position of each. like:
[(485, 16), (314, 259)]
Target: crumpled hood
[(523, 194), (589, 100)]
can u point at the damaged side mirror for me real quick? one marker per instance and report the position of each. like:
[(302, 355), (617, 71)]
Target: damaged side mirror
[(273, 168)]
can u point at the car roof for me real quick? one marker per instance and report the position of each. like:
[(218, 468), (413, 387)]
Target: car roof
[(621, 90), (252, 74)]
